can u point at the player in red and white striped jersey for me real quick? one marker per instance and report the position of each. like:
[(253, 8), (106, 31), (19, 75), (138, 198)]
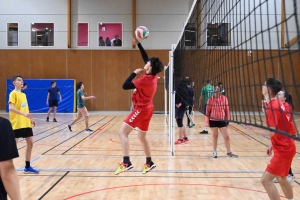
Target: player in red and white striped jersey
[(218, 114)]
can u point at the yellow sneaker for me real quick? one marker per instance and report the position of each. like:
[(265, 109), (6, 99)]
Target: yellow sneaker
[(123, 167), (148, 167)]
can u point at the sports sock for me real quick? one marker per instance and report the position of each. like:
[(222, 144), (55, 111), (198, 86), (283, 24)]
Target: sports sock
[(205, 128), (148, 160), (27, 164), (126, 159)]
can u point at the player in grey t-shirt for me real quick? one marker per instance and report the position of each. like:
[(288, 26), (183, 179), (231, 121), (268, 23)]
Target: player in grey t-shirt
[(81, 109)]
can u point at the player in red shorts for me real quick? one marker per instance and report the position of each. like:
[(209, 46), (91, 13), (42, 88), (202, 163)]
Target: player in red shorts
[(139, 118), (284, 147)]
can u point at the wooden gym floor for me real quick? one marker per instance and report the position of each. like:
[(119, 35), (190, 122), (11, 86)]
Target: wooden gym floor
[(80, 165)]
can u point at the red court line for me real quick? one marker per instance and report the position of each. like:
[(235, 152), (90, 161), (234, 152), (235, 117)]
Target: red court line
[(98, 131), (165, 184), (238, 131)]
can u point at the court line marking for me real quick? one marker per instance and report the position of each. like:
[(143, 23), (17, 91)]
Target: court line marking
[(154, 171), (73, 136), (166, 184), (21, 168), (45, 136), (98, 131), (87, 136), (45, 131), (239, 131), (61, 178)]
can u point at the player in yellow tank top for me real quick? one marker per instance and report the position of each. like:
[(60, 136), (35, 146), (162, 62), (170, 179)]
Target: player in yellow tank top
[(21, 120), (20, 102)]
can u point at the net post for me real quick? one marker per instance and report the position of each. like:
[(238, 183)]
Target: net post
[(171, 99), (165, 96)]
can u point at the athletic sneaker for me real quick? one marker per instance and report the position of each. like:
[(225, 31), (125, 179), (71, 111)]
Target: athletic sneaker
[(89, 130), (289, 178), (123, 167), (30, 170), (232, 155), (204, 132), (186, 140), (54, 120), (179, 141), (70, 128), (47, 120), (148, 167), (215, 154)]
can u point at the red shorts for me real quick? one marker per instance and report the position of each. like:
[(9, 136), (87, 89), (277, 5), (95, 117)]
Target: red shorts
[(279, 165), (139, 119)]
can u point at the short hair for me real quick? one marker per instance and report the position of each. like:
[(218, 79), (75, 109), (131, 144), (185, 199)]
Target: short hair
[(78, 85), (156, 65), (274, 84), (220, 83), (14, 78), (208, 80), (52, 82)]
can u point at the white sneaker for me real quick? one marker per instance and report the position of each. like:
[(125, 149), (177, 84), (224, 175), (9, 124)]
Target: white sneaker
[(215, 154), (275, 180), (290, 178)]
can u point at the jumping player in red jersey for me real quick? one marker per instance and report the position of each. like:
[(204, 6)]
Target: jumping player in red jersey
[(139, 118), (284, 147)]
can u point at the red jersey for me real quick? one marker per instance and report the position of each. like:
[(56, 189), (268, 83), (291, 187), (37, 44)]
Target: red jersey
[(217, 108), (142, 97), (277, 118)]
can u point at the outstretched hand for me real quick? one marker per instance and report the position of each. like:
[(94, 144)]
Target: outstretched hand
[(134, 40)]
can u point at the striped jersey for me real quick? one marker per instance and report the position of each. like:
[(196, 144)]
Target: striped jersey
[(217, 109)]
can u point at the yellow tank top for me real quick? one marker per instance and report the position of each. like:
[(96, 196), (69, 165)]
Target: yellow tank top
[(20, 102)]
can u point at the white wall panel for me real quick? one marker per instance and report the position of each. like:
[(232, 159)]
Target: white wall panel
[(118, 7), (33, 7)]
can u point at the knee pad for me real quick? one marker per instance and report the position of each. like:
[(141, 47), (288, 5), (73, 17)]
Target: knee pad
[(179, 122)]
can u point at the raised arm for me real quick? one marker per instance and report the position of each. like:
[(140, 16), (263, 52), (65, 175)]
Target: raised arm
[(142, 50)]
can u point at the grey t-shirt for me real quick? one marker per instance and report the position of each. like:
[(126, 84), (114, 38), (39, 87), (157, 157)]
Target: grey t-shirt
[(80, 101)]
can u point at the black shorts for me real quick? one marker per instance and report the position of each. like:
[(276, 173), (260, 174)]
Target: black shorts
[(3, 194), (53, 103), (179, 112), (23, 133), (8, 148), (218, 124)]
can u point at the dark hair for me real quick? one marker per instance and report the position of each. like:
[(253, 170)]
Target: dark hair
[(52, 82), (156, 65), (288, 98), (78, 85), (274, 84), (14, 78), (24, 84), (220, 83), (208, 81)]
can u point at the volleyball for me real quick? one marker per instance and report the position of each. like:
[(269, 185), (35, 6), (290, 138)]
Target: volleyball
[(141, 32)]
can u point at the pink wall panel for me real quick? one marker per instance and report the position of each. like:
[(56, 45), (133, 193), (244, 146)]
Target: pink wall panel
[(83, 34)]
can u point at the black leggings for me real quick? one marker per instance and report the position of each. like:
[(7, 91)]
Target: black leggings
[(190, 112)]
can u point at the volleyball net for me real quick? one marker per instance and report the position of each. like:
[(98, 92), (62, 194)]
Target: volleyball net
[(240, 44)]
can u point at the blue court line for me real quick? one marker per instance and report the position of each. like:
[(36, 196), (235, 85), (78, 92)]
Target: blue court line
[(21, 168), (154, 171), (73, 136)]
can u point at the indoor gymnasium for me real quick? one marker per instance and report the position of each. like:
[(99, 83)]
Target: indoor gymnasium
[(136, 99)]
